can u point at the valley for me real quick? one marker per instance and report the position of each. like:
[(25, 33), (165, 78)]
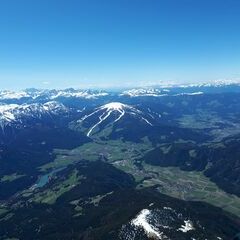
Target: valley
[(86, 161), (185, 185)]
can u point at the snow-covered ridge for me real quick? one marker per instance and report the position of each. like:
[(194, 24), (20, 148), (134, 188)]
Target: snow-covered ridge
[(189, 94), (176, 89), (51, 94), (215, 83), (13, 95), (151, 92), (116, 110), (15, 113), (79, 94), (156, 93)]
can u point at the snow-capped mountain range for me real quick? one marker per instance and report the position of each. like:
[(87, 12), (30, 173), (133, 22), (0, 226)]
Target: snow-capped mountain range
[(153, 92), (97, 107), (11, 114), (160, 90), (51, 94)]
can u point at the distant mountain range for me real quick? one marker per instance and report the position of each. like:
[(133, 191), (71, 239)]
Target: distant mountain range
[(37, 94), (154, 91)]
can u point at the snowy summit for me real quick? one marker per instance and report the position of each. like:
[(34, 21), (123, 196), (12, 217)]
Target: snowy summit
[(114, 109)]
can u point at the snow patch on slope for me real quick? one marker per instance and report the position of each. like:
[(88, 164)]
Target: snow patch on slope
[(141, 221), (158, 224), (188, 226), (6, 112)]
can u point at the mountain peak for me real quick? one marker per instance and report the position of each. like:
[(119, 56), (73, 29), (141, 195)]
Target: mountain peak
[(115, 106), (111, 113)]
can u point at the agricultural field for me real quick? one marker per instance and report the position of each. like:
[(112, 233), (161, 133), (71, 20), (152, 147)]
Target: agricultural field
[(185, 185)]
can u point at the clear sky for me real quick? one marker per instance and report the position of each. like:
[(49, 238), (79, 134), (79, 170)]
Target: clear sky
[(65, 43)]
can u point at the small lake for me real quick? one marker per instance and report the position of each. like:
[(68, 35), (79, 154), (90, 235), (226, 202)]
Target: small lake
[(44, 179)]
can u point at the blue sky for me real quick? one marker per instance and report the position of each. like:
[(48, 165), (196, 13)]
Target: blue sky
[(77, 43)]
